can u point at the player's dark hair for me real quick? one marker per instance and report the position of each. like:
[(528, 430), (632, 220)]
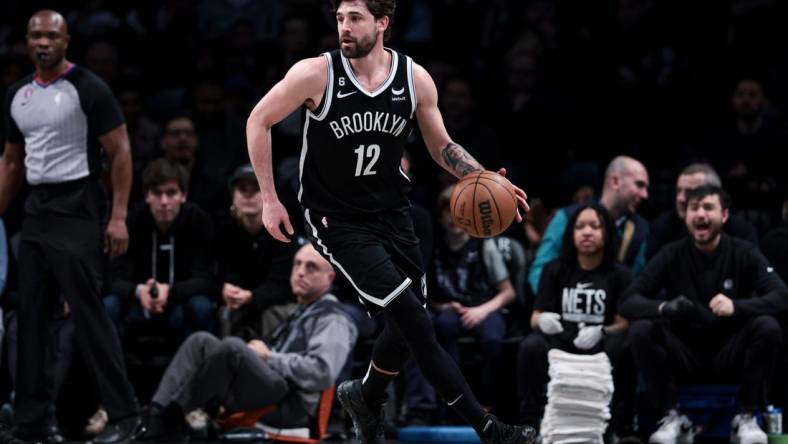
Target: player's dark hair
[(162, 170), (568, 255), (709, 190), (378, 9)]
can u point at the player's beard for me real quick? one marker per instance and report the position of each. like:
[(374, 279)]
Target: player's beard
[(361, 48)]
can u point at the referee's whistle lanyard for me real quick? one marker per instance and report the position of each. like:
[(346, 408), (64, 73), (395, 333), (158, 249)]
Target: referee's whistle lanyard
[(155, 260)]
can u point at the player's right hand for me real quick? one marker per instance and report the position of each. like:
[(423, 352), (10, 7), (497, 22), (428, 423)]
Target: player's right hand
[(274, 217)]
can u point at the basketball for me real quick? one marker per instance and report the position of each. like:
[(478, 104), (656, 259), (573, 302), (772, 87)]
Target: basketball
[(483, 204)]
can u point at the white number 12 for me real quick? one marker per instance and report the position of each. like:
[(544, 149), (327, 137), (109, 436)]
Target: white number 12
[(372, 152)]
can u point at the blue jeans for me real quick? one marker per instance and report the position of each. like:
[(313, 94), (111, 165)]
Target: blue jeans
[(194, 314)]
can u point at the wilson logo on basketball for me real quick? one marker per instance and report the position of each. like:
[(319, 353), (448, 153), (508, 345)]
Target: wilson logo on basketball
[(485, 211)]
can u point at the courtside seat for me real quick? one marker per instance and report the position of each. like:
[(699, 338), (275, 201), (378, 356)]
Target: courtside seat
[(305, 435)]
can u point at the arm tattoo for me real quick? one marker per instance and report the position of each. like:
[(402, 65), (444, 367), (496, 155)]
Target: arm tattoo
[(458, 161)]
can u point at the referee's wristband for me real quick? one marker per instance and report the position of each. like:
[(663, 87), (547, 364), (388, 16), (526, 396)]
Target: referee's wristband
[(138, 291)]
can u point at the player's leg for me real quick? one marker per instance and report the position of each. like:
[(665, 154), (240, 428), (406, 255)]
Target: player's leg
[(410, 319), (364, 399), (532, 378)]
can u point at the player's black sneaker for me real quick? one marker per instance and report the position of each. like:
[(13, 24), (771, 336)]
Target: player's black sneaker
[(367, 423), (496, 432)]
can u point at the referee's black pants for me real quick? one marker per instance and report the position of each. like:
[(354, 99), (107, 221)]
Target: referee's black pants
[(747, 357), (60, 253)]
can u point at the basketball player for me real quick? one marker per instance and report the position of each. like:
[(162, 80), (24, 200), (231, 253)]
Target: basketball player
[(361, 104)]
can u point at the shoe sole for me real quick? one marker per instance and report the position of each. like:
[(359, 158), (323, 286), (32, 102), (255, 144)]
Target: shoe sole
[(748, 441), (343, 396), (140, 430)]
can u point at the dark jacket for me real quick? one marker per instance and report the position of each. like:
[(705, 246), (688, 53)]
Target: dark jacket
[(258, 263), (187, 246), (775, 247), (736, 269)]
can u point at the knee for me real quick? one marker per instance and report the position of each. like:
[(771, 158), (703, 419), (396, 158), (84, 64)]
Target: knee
[(199, 306), (533, 345), (199, 311), (767, 327), (231, 346), (640, 332), (200, 339), (447, 324), (114, 308)]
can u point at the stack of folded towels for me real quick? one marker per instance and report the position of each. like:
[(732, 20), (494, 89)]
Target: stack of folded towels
[(579, 394)]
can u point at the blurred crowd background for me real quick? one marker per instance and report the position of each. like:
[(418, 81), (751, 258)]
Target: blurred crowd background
[(551, 88)]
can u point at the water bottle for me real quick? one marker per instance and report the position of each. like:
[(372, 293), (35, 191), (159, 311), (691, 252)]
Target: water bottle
[(774, 420)]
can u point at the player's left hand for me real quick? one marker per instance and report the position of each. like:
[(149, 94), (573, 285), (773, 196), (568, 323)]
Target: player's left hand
[(116, 237), (473, 316), (521, 197), (721, 305)]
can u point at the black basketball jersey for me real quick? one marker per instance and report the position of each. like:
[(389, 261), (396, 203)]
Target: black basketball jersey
[(353, 141)]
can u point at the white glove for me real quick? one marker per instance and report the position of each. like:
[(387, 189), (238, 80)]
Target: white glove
[(589, 336), (550, 323)]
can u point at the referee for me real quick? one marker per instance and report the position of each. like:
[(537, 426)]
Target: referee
[(56, 121)]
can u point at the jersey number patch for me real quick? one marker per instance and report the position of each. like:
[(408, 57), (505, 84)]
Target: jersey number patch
[(370, 155)]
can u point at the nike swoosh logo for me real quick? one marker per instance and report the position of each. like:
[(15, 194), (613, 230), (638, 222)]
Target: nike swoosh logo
[(584, 285), (340, 95), (397, 92)]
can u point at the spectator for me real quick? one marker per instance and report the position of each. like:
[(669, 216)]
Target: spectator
[(576, 311), (144, 133), (743, 150), (253, 266), (182, 145), (458, 105), (101, 57), (166, 276), (670, 226), (625, 187), (472, 285), (775, 245), (220, 131), (715, 321), (743, 146), (289, 369)]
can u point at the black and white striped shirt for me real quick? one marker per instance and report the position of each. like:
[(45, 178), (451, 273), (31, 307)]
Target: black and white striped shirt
[(59, 123)]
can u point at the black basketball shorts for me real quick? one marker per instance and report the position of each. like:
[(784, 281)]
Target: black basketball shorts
[(377, 254)]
